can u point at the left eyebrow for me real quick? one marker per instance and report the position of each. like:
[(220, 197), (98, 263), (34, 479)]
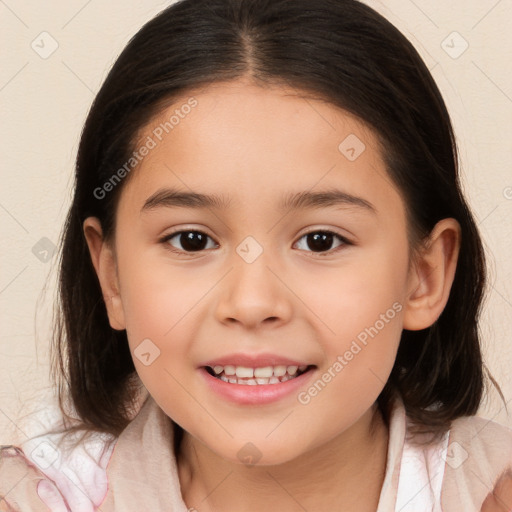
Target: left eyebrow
[(171, 198), (324, 199)]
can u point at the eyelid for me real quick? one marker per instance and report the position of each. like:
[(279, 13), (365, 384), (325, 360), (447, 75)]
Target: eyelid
[(333, 231), (165, 238), (185, 229)]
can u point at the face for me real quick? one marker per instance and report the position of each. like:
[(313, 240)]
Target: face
[(298, 266)]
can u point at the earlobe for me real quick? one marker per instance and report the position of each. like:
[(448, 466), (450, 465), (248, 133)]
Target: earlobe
[(431, 276), (104, 263)]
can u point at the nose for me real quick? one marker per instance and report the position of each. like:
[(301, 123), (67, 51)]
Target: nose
[(255, 294)]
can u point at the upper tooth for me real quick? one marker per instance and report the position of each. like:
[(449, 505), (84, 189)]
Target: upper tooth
[(265, 372), (229, 370), (279, 371), (243, 371), (292, 370)]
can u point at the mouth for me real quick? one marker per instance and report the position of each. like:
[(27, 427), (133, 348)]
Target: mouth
[(257, 376)]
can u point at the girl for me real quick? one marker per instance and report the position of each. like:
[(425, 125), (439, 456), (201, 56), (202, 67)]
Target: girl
[(270, 280)]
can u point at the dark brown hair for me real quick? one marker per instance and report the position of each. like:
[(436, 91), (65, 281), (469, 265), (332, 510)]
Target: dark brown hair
[(341, 51)]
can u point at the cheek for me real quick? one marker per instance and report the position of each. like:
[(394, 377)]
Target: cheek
[(356, 295), (358, 360), (155, 302), (163, 309), (156, 295), (157, 310), (360, 307)]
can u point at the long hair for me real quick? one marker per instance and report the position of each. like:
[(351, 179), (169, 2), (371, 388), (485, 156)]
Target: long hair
[(341, 51)]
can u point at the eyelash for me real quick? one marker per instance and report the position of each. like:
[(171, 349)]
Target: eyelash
[(166, 238)]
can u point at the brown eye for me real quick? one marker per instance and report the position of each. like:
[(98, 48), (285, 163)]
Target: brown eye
[(190, 241), (321, 241)]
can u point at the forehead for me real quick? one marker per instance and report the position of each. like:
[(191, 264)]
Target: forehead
[(240, 140)]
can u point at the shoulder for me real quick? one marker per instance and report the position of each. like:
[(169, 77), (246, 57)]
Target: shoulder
[(478, 455), (55, 471), (488, 439), (481, 425), (458, 470)]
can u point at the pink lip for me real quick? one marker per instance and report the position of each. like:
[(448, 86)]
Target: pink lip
[(245, 394), (253, 361)]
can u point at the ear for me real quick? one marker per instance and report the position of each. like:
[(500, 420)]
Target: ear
[(104, 262), (431, 276)]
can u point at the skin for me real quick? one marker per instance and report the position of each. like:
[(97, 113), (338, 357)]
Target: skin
[(254, 144)]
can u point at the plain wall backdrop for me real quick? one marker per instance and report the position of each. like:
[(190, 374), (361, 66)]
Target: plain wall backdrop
[(55, 57)]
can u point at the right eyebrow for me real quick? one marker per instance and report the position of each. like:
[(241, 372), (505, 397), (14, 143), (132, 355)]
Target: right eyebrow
[(170, 197)]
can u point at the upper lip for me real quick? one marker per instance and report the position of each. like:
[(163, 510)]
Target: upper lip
[(254, 361)]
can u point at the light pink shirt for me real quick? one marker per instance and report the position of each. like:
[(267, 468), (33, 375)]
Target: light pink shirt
[(137, 471)]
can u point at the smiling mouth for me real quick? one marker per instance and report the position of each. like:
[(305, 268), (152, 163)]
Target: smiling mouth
[(257, 376)]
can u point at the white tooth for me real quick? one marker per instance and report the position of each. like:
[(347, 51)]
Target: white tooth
[(279, 371), (224, 378), (261, 380), (292, 370), (252, 382), (232, 380), (244, 372), (303, 367), (218, 369), (273, 380), (229, 370), (263, 372)]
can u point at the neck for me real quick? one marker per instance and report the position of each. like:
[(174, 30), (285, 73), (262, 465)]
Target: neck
[(349, 469)]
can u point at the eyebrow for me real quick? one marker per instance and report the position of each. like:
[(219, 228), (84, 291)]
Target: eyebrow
[(174, 198)]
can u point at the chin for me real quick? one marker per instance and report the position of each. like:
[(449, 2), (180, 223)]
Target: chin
[(261, 454)]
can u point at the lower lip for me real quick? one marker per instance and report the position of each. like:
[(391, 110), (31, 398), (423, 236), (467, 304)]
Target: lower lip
[(245, 394)]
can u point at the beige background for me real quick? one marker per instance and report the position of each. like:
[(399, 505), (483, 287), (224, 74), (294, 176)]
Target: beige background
[(44, 102)]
